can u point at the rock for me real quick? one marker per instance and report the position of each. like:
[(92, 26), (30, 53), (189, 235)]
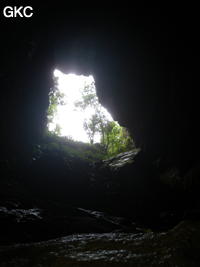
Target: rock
[(121, 159), (177, 247), (21, 214)]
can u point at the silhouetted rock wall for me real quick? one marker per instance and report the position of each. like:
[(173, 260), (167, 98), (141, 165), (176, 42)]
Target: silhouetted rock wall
[(141, 61)]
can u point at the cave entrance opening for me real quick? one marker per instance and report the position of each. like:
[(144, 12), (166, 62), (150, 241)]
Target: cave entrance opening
[(74, 110), (76, 114)]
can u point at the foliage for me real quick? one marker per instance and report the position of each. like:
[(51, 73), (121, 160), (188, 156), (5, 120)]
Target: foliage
[(89, 98), (67, 148), (55, 99), (117, 139), (96, 123), (91, 127), (114, 138)]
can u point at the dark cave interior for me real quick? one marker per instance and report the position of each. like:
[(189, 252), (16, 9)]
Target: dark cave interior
[(143, 64)]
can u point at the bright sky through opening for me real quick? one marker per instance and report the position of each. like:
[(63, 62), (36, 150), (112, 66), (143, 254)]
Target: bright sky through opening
[(68, 117)]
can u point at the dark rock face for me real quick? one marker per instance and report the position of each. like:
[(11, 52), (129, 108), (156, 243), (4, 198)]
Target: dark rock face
[(141, 62), (56, 195), (178, 247)]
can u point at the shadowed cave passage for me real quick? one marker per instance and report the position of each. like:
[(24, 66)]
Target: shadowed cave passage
[(63, 202)]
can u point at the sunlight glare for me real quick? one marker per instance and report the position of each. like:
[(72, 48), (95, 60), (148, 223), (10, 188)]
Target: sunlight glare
[(68, 117)]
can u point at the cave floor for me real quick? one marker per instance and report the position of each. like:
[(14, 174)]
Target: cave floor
[(177, 247), (62, 211)]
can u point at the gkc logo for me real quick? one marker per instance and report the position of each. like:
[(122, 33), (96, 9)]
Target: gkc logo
[(13, 12)]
